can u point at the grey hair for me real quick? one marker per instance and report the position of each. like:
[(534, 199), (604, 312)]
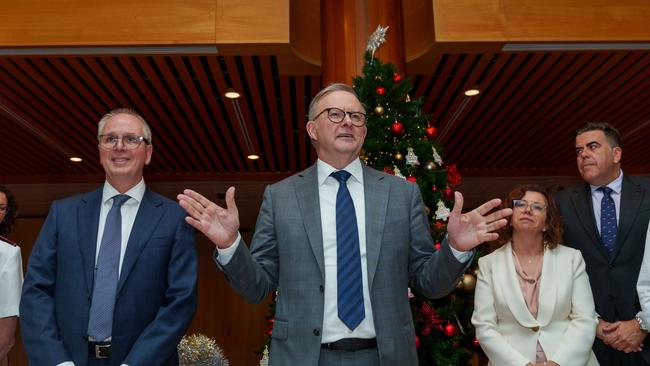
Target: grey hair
[(129, 111), (329, 89)]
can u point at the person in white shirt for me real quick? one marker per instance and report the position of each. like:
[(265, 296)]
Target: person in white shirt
[(379, 221), (11, 273)]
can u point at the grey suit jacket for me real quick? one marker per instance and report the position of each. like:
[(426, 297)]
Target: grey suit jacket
[(613, 278), (287, 253)]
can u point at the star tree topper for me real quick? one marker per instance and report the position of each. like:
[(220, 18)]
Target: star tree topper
[(377, 38)]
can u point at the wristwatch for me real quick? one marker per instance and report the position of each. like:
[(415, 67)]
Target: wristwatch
[(642, 325)]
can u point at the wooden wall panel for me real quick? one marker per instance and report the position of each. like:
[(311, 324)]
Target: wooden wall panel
[(541, 20), (97, 22)]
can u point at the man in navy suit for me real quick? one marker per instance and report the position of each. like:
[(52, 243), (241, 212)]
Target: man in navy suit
[(150, 293)]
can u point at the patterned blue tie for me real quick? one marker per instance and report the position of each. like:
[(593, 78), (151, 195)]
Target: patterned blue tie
[(348, 260), (608, 225), (100, 324)]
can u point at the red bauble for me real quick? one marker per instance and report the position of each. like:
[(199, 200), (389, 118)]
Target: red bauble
[(475, 342), (380, 90), (448, 193), (434, 188), (451, 330), (411, 178), (397, 128), (417, 342), (431, 132), (437, 245), (397, 78)]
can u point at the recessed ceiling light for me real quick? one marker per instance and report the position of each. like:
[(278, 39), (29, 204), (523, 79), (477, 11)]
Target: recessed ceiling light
[(253, 157), (231, 94), (472, 92), (76, 159)]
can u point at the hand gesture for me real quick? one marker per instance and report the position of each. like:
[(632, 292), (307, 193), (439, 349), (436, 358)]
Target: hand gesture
[(467, 230), (219, 224)]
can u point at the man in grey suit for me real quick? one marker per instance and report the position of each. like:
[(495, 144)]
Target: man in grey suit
[(613, 259), (301, 229)]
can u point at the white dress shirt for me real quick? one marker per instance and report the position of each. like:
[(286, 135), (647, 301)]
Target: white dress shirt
[(11, 279), (129, 210)]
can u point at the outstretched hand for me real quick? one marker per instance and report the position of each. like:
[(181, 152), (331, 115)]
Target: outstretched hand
[(219, 224), (467, 230)]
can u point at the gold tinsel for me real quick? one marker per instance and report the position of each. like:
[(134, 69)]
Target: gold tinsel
[(200, 350)]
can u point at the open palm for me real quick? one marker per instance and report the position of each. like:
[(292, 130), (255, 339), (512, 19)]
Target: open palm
[(467, 230), (219, 224)]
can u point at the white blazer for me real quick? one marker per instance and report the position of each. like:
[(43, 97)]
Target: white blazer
[(566, 320)]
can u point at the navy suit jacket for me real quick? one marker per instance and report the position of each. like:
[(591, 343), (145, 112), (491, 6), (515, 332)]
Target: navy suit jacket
[(156, 293)]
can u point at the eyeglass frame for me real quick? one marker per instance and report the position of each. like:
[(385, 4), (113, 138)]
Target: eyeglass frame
[(540, 206), (118, 138), (365, 117)]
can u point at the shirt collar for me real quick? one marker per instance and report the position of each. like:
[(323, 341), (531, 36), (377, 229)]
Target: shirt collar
[(324, 170), (616, 185), (136, 192)]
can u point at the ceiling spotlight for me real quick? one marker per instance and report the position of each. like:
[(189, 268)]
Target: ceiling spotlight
[(231, 94), (76, 159), (472, 91), (253, 157)]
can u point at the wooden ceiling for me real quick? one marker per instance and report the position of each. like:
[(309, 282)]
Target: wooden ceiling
[(522, 123)]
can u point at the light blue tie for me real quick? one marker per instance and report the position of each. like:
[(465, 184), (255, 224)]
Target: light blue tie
[(348, 260), (608, 225), (100, 324)]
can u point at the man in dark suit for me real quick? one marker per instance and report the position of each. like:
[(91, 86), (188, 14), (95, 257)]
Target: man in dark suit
[(342, 243), (112, 277), (606, 219)]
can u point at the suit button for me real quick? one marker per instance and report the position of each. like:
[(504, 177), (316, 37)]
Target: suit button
[(321, 288), (534, 329), (316, 332)]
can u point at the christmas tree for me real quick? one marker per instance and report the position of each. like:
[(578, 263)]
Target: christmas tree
[(401, 141)]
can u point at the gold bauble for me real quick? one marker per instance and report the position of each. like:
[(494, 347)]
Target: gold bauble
[(469, 282), (379, 110), (399, 156), (427, 210)]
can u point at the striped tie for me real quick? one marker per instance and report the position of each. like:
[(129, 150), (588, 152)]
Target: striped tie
[(348, 259), (100, 323), (608, 225)]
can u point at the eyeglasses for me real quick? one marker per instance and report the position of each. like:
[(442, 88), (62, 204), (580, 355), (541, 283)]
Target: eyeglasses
[(130, 142), (523, 205), (337, 115), (3, 208)]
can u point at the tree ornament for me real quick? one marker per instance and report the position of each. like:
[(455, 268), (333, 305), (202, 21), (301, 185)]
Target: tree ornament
[(408, 98), (437, 245), (442, 213), (430, 132), (430, 165), (376, 39), (448, 193), (397, 78), (469, 282), (399, 156), (412, 179), (475, 342), (397, 128), (397, 172), (411, 158), (436, 156), (379, 110), (427, 210), (380, 90), (434, 188), (451, 330), (417, 342)]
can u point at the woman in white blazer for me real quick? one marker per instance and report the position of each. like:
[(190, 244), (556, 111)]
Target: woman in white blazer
[(533, 305)]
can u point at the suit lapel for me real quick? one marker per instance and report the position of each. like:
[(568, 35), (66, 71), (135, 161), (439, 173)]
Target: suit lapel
[(506, 275), (146, 221), (548, 288), (631, 198), (584, 210), (309, 203), (376, 191), (88, 223)]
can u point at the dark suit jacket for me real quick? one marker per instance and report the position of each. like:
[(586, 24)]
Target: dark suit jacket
[(613, 278), (156, 294), (287, 253)]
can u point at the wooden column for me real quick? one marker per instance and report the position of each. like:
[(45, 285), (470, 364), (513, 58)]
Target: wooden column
[(345, 28)]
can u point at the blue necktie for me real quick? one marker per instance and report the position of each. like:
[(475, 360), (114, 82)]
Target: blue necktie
[(608, 225), (100, 324), (348, 260)]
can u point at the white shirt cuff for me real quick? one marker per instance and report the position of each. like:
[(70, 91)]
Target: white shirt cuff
[(225, 255), (462, 257)]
